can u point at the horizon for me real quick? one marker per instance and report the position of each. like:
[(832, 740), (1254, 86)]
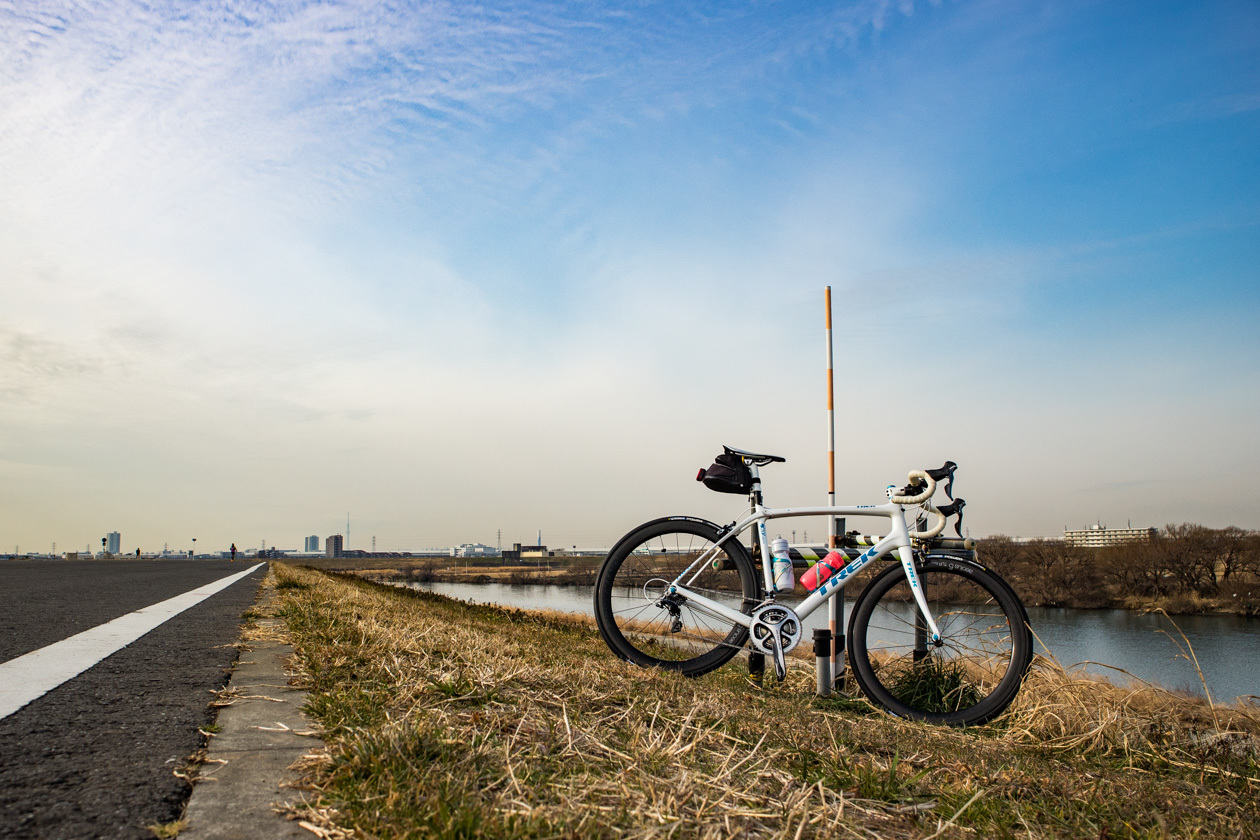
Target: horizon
[(262, 545), (461, 269)]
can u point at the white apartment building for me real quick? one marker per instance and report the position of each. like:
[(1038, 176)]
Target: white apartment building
[(1100, 536)]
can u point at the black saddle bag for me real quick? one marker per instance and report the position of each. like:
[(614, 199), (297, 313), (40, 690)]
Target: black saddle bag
[(727, 474)]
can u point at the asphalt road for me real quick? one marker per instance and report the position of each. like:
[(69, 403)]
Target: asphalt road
[(94, 757)]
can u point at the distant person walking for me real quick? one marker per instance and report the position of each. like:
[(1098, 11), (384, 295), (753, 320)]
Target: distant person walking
[(233, 551)]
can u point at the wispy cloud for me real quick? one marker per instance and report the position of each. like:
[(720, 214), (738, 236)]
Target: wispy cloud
[(331, 91), (249, 91), (169, 163)]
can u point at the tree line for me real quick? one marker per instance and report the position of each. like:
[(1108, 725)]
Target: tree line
[(1185, 568)]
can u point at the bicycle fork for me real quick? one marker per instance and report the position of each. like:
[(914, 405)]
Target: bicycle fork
[(922, 634)]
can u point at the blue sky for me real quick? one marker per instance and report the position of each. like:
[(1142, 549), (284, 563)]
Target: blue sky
[(458, 269)]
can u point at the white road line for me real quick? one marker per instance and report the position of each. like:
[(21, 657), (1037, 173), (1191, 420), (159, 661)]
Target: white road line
[(32, 675)]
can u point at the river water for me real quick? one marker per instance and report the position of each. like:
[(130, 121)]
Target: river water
[(1147, 646)]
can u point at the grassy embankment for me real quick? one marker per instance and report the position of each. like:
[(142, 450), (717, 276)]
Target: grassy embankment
[(448, 720)]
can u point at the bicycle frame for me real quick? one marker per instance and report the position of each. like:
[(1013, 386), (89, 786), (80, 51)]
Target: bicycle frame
[(898, 540)]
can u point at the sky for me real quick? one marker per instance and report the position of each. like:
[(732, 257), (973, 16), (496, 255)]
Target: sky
[(470, 272)]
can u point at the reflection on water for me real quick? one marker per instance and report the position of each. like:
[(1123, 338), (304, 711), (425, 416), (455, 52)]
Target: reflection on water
[(1146, 646)]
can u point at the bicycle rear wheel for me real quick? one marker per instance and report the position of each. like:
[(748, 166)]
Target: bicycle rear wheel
[(973, 675), (643, 623)]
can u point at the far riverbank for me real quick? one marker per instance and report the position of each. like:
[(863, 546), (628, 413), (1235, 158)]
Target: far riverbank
[(1240, 596)]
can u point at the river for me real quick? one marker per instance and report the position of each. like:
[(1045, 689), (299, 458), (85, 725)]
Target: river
[(1144, 645)]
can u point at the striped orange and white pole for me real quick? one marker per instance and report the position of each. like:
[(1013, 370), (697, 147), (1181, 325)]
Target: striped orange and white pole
[(835, 617), (831, 427)]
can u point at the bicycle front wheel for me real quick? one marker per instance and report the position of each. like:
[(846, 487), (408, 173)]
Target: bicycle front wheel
[(975, 671), (644, 623)]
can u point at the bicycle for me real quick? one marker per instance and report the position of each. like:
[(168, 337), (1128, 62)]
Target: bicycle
[(937, 637)]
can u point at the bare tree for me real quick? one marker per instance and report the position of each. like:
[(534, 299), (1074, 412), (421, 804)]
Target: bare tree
[(1232, 545), (1056, 574), (1000, 554), (1187, 553), (1129, 569)]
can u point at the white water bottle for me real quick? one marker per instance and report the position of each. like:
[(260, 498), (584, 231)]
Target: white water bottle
[(784, 580)]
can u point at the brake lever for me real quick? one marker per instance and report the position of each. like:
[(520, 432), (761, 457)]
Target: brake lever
[(954, 508), (946, 471)]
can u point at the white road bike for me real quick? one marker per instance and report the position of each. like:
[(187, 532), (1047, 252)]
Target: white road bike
[(936, 637)]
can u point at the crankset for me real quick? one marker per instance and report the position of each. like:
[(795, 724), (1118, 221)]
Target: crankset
[(775, 630)]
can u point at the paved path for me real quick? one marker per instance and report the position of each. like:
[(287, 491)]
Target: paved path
[(247, 772), (95, 756)]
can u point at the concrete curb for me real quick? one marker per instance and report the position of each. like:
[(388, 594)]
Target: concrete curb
[(247, 766)]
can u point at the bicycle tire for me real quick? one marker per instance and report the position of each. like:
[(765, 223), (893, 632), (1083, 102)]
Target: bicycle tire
[(631, 583), (986, 645)]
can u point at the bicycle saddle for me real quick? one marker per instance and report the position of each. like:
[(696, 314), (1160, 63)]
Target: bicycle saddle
[(753, 457)]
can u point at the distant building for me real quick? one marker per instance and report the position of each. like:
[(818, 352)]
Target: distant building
[(113, 542), (519, 552), (1100, 536), (473, 550), (312, 544), (333, 546)]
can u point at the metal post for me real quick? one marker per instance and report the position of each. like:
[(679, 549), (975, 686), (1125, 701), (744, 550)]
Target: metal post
[(822, 660), (836, 612)]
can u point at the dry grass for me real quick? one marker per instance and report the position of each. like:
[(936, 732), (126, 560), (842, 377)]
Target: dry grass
[(449, 720), (164, 831), (1061, 710)]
